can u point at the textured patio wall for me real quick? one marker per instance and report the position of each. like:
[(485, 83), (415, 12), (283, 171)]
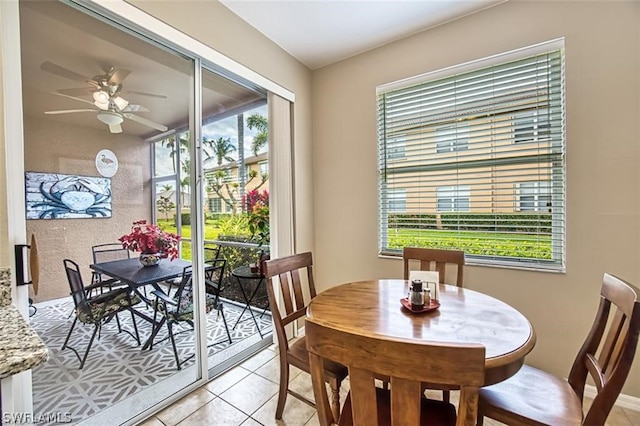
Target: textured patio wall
[(68, 149)]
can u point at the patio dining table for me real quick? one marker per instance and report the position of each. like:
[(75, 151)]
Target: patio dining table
[(136, 276)]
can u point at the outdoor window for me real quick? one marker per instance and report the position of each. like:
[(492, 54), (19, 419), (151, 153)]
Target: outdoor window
[(228, 176), (452, 138), (453, 198), (264, 169), (215, 205), (534, 196), (395, 148), (397, 200), (531, 127), (483, 161)]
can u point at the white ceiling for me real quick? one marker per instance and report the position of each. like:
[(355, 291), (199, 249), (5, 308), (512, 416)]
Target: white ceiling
[(52, 32), (321, 32)]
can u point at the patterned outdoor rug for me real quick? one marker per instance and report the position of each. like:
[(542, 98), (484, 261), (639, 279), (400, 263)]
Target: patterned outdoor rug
[(116, 367)]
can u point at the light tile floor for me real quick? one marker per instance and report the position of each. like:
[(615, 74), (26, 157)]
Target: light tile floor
[(247, 395)]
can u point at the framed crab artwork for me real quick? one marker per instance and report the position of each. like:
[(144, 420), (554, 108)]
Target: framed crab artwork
[(58, 196)]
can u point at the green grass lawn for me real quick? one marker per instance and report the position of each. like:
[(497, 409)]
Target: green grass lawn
[(210, 233), (481, 243)]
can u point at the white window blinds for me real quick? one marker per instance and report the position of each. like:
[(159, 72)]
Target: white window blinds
[(482, 164)]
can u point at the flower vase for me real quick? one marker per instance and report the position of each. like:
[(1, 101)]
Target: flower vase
[(150, 259)]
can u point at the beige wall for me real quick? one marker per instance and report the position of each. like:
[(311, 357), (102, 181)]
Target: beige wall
[(602, 78), (61, 148), (213, 24), (602, 148)]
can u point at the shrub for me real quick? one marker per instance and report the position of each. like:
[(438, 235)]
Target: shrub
[(185, 218), (482, 222)]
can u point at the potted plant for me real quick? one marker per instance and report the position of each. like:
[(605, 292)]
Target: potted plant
[(151, 242)]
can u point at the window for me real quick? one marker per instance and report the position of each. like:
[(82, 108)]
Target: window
[(395, 148), (264, 169), (215, 205), (228, 176), (534, 196), (452, 138), (397, 200), (531, 126), (453, 198), (483, 160)]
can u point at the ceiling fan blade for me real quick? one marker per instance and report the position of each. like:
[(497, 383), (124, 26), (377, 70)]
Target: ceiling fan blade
[(76, 91), (117, 76), (67, 111), (63, 72), (71, 97), (115, 128), (146, 122), (106, 67), (144, 94), (135, 108)]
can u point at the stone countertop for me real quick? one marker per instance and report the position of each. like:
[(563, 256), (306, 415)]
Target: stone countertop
[(20, 346)]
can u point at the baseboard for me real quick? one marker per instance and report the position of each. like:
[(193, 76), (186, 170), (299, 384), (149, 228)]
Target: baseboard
[(623, 401)]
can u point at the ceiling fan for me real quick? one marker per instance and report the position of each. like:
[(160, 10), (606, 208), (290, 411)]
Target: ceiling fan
[(105, 89)]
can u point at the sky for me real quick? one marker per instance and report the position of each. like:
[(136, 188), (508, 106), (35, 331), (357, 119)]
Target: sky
[(226, 128)]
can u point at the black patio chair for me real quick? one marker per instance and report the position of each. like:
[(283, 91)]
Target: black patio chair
[(178, 307), (97, 310), (107, 253)]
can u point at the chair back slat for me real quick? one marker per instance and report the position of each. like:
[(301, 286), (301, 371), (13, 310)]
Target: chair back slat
[(435, 260), (286, 293), (285, 272), (368, 357), (184, 292), (610, 352), (76, 285), (297, 288), (362, 393), (109, 252), (608, 365)]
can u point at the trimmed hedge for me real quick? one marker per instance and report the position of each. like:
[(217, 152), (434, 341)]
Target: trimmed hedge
[(480, 222), (527, 249), (185, 219)]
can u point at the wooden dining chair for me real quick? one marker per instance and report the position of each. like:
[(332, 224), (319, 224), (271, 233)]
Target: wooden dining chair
[(285, 273), (407, 365), (434, 260), (535, 397)]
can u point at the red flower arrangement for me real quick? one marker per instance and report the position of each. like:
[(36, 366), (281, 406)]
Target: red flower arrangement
[(150, 239)]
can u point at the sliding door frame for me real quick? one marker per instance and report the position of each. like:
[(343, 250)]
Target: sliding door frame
[(16, 390)]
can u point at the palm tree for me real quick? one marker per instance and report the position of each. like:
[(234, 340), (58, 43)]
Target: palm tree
[(222, 149), (260, 123), (183, 146)]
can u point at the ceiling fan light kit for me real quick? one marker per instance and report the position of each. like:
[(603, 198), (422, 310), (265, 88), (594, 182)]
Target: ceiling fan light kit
[(105, 91), (110, 117), (101, 97), (121, 103)]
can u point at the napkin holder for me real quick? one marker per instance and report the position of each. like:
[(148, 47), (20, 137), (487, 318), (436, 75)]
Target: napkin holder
[(430, 280)]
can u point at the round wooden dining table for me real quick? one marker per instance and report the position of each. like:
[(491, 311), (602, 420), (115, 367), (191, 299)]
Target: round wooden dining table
[(373, 309)]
